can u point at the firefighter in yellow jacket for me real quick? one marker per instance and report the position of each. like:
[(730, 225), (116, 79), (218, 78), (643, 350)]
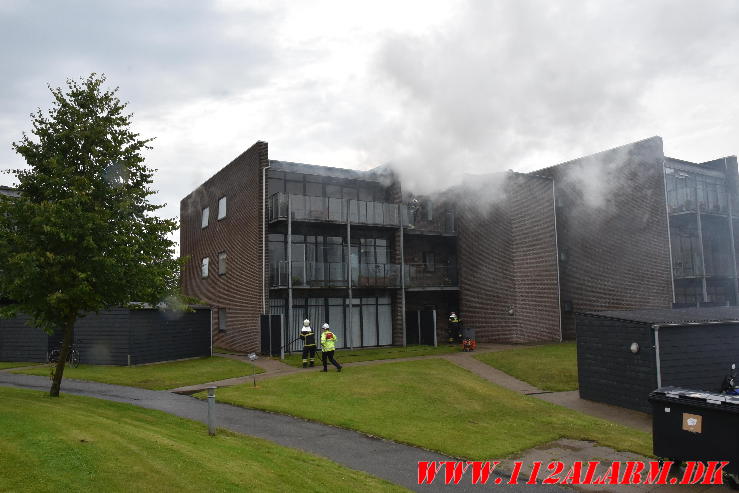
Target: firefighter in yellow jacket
[(309, 343), (328, 346)]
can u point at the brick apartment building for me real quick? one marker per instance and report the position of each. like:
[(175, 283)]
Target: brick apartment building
[(515, 254)]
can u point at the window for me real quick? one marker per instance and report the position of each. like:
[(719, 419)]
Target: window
[(204, 220), (204, 267), (221, 208), (222, 263), (222, 320)]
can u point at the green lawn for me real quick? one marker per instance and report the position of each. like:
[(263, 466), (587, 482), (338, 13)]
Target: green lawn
[(370, 354), (76, 443), (14, 364), (159, 376), (434, 404), (550, 367)]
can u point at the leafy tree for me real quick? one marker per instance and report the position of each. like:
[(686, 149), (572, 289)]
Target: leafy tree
[(82, 235)]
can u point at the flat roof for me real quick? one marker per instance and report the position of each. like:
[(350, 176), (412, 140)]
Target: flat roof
[(312, 169), (672, 316)]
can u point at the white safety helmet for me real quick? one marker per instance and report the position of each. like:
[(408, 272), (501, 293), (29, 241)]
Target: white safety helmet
[(325, 326), (306, 323)]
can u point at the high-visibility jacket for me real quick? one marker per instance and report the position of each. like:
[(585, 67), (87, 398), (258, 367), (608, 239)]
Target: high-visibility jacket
[(309, 338), (328, 340)]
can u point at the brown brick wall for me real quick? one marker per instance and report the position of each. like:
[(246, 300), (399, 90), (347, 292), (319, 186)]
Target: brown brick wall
[(616, 251), (537, 312), (239, 234), (486, 279)]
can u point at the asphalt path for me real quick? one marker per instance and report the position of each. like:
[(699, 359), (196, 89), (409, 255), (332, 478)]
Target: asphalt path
[(386, 459)]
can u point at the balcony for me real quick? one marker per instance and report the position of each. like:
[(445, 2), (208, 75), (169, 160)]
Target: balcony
[(418, 276), (327, 209), (333, 275), (332, 210)]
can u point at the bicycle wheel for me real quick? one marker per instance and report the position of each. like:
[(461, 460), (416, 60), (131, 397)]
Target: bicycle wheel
[(74, 358)]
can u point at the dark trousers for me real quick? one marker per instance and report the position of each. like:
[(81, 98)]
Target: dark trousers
[(309, 350), (329, 355)]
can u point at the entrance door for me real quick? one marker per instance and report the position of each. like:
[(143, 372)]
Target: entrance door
[(420, 327), (427, 323)]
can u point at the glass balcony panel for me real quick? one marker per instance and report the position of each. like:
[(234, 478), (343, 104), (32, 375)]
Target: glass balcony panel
[(378, 213), (336, 210), (353, 215), (318, 208), (362, 212), (391, 214)]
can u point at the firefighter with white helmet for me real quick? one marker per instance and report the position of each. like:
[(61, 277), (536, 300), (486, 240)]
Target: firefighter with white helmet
[(309, 343), (328, 346)]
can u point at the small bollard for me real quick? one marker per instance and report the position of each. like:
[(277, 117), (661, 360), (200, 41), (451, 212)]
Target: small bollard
[(252, 358), (212, 411)]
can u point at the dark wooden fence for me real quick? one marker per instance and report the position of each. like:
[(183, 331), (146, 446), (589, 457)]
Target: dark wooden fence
[(118, 336)]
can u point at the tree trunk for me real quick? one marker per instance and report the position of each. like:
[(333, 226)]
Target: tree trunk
[(56, 382)]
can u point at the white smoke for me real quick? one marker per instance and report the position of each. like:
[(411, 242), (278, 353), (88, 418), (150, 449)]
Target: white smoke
[(524, 84)]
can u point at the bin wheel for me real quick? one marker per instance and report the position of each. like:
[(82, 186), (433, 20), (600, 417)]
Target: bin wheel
[(731, 481)]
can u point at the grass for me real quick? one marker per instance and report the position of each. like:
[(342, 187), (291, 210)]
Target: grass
[(371, 354), (76, 443), (159, 376), (550, 367), (4, 365), (434, 404)]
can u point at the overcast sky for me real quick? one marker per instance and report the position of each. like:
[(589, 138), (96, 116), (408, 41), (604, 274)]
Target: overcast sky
[(437, 88)]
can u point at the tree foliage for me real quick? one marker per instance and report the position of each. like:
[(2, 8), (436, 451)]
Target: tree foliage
[(82, 235)]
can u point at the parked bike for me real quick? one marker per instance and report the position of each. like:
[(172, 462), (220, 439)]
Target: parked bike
[(73, 358)]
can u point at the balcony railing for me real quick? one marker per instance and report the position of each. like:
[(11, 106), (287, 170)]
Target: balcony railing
[(328, 209), (333, 275), (418, 276)]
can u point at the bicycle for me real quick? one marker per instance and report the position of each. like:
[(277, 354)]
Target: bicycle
[(73, 358)]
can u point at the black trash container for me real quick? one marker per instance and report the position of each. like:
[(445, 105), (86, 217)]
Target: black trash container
[(695, 425)]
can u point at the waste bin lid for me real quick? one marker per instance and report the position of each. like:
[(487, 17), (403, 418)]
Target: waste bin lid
[(692, 394)]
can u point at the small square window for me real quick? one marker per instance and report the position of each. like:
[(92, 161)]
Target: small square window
[(204, 220), (222, 320), (204, 267), (222, 263), (221, 208)]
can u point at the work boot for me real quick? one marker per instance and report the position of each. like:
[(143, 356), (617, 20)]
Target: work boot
[(311, 364), (305, 365), (338, 369), (324, 370)]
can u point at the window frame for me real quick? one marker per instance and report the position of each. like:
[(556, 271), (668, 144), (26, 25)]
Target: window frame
[(223, 201), (222, 259), (204, 267), (204, 217)]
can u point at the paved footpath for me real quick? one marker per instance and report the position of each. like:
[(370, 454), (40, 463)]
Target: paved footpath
[(391, 461)]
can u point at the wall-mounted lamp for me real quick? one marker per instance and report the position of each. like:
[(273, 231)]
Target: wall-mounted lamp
[(634, 348), (510, 310)]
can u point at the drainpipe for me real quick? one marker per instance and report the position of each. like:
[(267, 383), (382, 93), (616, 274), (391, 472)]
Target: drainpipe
[(289, 275), (556, 247), (656, 355), (402, 279), (350, 335)]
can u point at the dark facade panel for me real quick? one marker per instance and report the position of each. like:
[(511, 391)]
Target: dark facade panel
[(111, 337), (165, 336), (698, 357), (19, 342), (103, 338), (607, 370)]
